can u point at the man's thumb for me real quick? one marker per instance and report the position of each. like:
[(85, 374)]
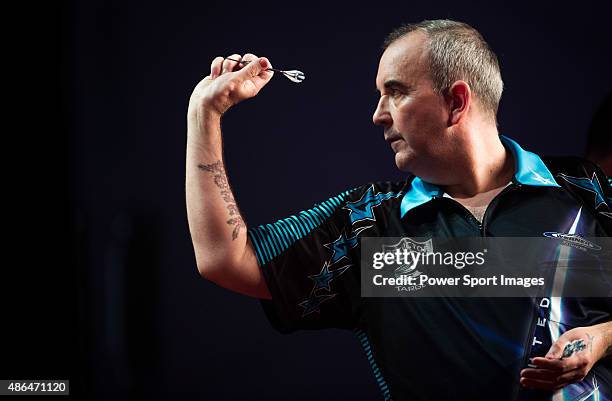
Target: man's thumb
[(264, 63), (255, 67)]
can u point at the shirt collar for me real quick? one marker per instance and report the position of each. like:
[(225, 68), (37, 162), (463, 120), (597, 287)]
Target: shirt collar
[(530, 170)]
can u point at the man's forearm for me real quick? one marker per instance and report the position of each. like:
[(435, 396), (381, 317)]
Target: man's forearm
[(217, 229)]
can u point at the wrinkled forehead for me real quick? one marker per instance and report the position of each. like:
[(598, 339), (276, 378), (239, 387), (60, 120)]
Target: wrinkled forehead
[(403, 60)]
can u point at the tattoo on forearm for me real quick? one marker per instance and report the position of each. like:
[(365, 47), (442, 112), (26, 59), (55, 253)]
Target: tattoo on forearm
[(220, 178)]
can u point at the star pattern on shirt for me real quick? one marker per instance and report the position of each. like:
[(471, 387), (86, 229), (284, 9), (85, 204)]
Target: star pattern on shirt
[(325, 277), (362, 209), (340, 247), (359, 210), (592, 185), (313, 303)]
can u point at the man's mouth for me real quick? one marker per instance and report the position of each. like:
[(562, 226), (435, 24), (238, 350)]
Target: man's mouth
[(392, 138), (394, 144)]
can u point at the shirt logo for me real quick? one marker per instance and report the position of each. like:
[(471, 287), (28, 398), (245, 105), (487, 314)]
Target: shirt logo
[(409, 269), (573, 240)]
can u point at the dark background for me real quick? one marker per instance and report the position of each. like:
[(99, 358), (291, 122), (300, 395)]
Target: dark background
[(100, 280)]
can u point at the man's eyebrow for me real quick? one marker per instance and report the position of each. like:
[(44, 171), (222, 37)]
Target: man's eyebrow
[(393, 83)]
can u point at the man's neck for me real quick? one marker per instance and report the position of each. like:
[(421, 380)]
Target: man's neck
[(486, 166)]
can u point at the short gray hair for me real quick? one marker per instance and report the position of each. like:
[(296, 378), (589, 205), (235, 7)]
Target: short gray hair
[(457, 51)]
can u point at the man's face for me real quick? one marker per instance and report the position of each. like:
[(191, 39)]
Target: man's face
[(413, 116)]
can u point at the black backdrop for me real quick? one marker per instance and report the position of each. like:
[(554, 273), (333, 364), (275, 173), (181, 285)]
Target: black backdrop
[(107, 292)]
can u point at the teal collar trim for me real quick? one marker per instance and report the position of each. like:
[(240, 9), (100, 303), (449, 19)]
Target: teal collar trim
[(529, 167)]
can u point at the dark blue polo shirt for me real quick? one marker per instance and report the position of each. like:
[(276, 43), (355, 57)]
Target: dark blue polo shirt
[(439, 348)]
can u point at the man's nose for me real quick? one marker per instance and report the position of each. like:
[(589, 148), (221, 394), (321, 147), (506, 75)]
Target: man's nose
[(381, 115)]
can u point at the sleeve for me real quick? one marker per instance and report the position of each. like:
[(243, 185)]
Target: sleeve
[(310, 262)]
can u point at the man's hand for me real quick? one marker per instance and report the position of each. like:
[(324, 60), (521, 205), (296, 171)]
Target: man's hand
[(554, 372), (229, 83)]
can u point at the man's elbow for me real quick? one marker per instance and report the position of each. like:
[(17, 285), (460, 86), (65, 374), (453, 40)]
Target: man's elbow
[(215, 268), (209, 269), (204, 270), (234, 276)]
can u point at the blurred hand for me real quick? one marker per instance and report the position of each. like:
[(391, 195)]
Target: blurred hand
[(553, 373)]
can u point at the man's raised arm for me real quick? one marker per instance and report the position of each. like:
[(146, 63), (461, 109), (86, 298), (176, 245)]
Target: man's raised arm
[(223, 252)]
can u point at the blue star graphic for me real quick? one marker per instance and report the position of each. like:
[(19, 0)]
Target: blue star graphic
[(313, 302), (362, 209), (342, 244), (324, 278), (591, 185)]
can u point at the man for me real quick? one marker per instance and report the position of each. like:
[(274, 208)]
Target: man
[(440, 87)]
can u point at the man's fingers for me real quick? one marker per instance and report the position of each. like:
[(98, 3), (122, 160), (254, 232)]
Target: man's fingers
[(253, 57), (221, 65), (551, 377), (252, 69), (249, 57), (229, 65), (572, 377), (256, 68), (215, 67), (543, 374), (558, 365), (250, 75), (541, 384)]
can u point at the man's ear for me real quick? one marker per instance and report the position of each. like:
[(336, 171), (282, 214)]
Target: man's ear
[(459, 99)]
